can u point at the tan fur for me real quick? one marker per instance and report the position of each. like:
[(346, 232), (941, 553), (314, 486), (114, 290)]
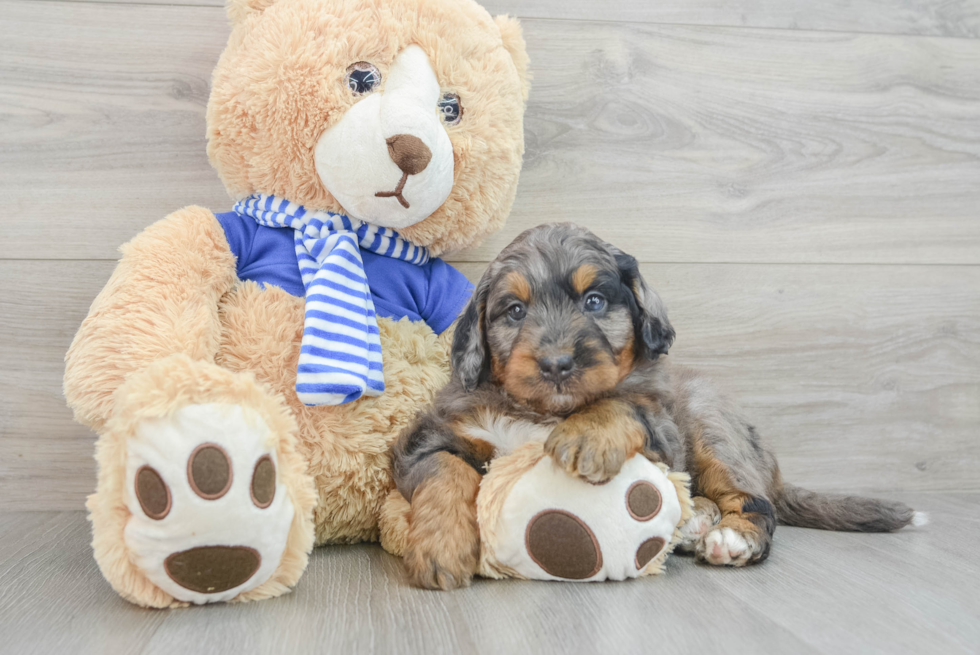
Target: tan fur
[(517, 284), (345, 446), (626, 359), (443, 543), (715, 480), (156, 392), (279, 85), (594, 442), (161, 299), (599, 378), (510, 34), (583, 276), (393, 523), (519, 376)]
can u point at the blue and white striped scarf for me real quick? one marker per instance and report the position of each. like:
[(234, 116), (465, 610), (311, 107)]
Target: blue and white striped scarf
[(340, 358)]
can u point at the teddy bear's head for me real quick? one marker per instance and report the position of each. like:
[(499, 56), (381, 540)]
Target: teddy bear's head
[(406, 114)]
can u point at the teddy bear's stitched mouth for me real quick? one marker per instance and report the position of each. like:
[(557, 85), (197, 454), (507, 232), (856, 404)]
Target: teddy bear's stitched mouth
[(397, 193)]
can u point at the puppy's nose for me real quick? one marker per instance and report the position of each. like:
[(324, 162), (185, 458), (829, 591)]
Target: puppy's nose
[(556, 369), (409, 153)]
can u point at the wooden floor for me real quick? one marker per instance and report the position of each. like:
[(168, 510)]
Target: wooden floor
[(799, 178), (910, 592)]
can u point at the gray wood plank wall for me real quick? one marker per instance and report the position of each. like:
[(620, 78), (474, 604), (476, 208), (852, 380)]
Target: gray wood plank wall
[(801, 181)]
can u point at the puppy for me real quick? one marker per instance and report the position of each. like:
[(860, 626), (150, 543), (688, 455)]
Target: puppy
[(563, 341)]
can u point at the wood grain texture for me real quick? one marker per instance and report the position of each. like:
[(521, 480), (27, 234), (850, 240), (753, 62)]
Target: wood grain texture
[(861, 377), (695, 144), (820, 592), (953, 18)]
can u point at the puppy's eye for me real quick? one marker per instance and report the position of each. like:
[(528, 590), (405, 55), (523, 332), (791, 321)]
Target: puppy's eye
[(516, 312), (362, 78), (451, 109), (594, 302)]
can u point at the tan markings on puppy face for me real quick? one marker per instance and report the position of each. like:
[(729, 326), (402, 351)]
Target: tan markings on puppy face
[(443, 543), (626, 358), (583, 277), (600, 377), (521, 375), (517, 285)]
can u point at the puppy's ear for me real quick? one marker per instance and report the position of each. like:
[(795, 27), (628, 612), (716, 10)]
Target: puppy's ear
[(470, 354), (654, 333)]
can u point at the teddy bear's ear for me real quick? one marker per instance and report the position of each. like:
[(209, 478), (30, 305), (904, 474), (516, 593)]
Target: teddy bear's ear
[(238, 10), (510, 31)]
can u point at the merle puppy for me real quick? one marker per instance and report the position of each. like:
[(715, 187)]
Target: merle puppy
[(563, 342)]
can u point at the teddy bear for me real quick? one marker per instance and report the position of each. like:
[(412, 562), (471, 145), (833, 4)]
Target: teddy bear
[(246, 371)]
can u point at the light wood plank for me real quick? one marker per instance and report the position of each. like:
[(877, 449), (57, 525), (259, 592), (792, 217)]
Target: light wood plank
[(857, 592), (861, 377), (819, 593), (956, 18), (53, 598), (695, 144)]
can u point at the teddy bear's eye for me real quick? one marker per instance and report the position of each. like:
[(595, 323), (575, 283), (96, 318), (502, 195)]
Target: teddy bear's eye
[(362, 78), (451, 108)]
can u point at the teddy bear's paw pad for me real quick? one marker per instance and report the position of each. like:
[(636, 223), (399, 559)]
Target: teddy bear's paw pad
[(572, 530), (648, 550), (210, 569), (643, 500), (210, 516), (563, 545)]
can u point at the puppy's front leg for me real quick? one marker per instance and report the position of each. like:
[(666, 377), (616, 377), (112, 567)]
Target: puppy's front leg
[(443, 547), (438, 472), (595, 442)]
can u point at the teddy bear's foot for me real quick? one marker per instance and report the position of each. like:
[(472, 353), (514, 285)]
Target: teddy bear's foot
[(542, 523), (200, 502), (706, 516), (209, 517)]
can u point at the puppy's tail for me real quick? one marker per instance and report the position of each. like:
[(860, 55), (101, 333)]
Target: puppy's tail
[(808, 509)]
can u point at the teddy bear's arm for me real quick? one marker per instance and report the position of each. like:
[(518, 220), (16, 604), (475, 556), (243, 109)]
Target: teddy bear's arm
[(162, 299)]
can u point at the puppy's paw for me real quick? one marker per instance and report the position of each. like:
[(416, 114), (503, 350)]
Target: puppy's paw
[(590, 456), (706, 516), (725, 546), (438, 566)]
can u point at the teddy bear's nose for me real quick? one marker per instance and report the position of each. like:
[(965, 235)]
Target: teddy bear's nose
[(409, 153)]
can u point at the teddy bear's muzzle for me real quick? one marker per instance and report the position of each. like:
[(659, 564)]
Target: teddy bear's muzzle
[(393, 137)]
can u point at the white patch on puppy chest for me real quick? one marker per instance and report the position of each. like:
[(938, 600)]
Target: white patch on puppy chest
[(506, 433)]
